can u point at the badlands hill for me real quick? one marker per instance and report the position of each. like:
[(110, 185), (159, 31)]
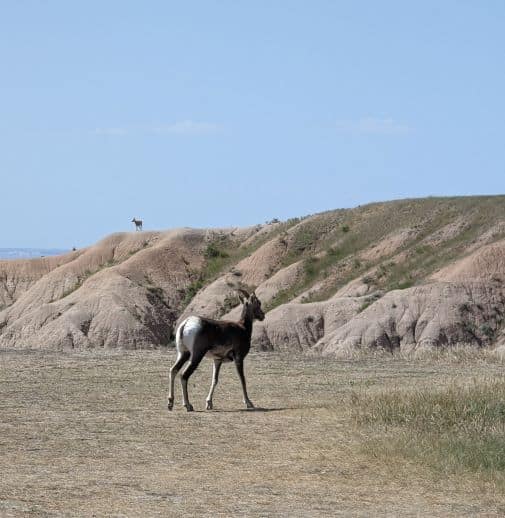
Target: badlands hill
[(401, 274)]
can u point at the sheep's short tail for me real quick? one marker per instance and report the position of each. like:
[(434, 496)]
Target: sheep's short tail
[(178, 335)]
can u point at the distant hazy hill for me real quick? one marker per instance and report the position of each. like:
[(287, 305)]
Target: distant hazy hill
[(29, 253), (402, 274)]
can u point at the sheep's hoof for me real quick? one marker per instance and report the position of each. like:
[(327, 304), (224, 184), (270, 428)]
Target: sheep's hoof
[(249, 404), (189, 407), (208, 406), (170, 404)]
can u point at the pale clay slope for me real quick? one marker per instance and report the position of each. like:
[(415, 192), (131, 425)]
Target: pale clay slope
[(251, 271), (90, 300), (430, 315), (434, 314), (377, 251), (485, 263), (105, 296), (469, 296), (18, 276), (124, 291), (254, 270), (299, 327)]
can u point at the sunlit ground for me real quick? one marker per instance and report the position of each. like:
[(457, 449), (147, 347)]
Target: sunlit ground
[(89, 434)]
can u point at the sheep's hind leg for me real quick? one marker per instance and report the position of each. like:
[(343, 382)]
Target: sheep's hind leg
[(193, 364), (182, 358)]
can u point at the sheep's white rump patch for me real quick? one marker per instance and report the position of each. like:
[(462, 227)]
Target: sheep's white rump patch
[(192, 327)]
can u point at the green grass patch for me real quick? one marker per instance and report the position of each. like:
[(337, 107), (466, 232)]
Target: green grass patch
[(315, 268), (223, 253), (451, 429), (369, 301), (70, 290), (282, 297), (191, 290), (213, 252)]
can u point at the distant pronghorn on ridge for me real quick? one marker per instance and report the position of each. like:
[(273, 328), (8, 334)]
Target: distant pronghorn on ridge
[(138, 224), (222, 340)]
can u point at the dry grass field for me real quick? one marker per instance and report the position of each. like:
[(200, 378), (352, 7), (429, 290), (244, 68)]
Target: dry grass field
[(88, 434)]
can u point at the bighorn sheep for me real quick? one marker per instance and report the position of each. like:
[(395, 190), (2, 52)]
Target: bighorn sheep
[(223, 341), (138, 224)]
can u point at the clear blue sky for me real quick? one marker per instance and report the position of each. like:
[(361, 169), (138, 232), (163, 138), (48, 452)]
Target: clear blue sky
[(217, 113)]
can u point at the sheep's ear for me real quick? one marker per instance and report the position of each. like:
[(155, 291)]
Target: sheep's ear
[(243, 293), (241, 298)]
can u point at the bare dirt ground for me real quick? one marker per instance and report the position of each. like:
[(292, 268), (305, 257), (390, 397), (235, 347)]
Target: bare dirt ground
[(88, 434)]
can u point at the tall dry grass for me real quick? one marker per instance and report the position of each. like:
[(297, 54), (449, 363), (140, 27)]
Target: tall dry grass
[(457, 428), (456, 354)]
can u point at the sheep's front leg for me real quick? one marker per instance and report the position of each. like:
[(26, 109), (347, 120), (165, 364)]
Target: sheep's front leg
[(239, 364), (215, 378)]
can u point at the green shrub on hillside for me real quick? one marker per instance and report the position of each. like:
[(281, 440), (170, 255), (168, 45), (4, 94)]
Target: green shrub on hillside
[(212, 251)]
